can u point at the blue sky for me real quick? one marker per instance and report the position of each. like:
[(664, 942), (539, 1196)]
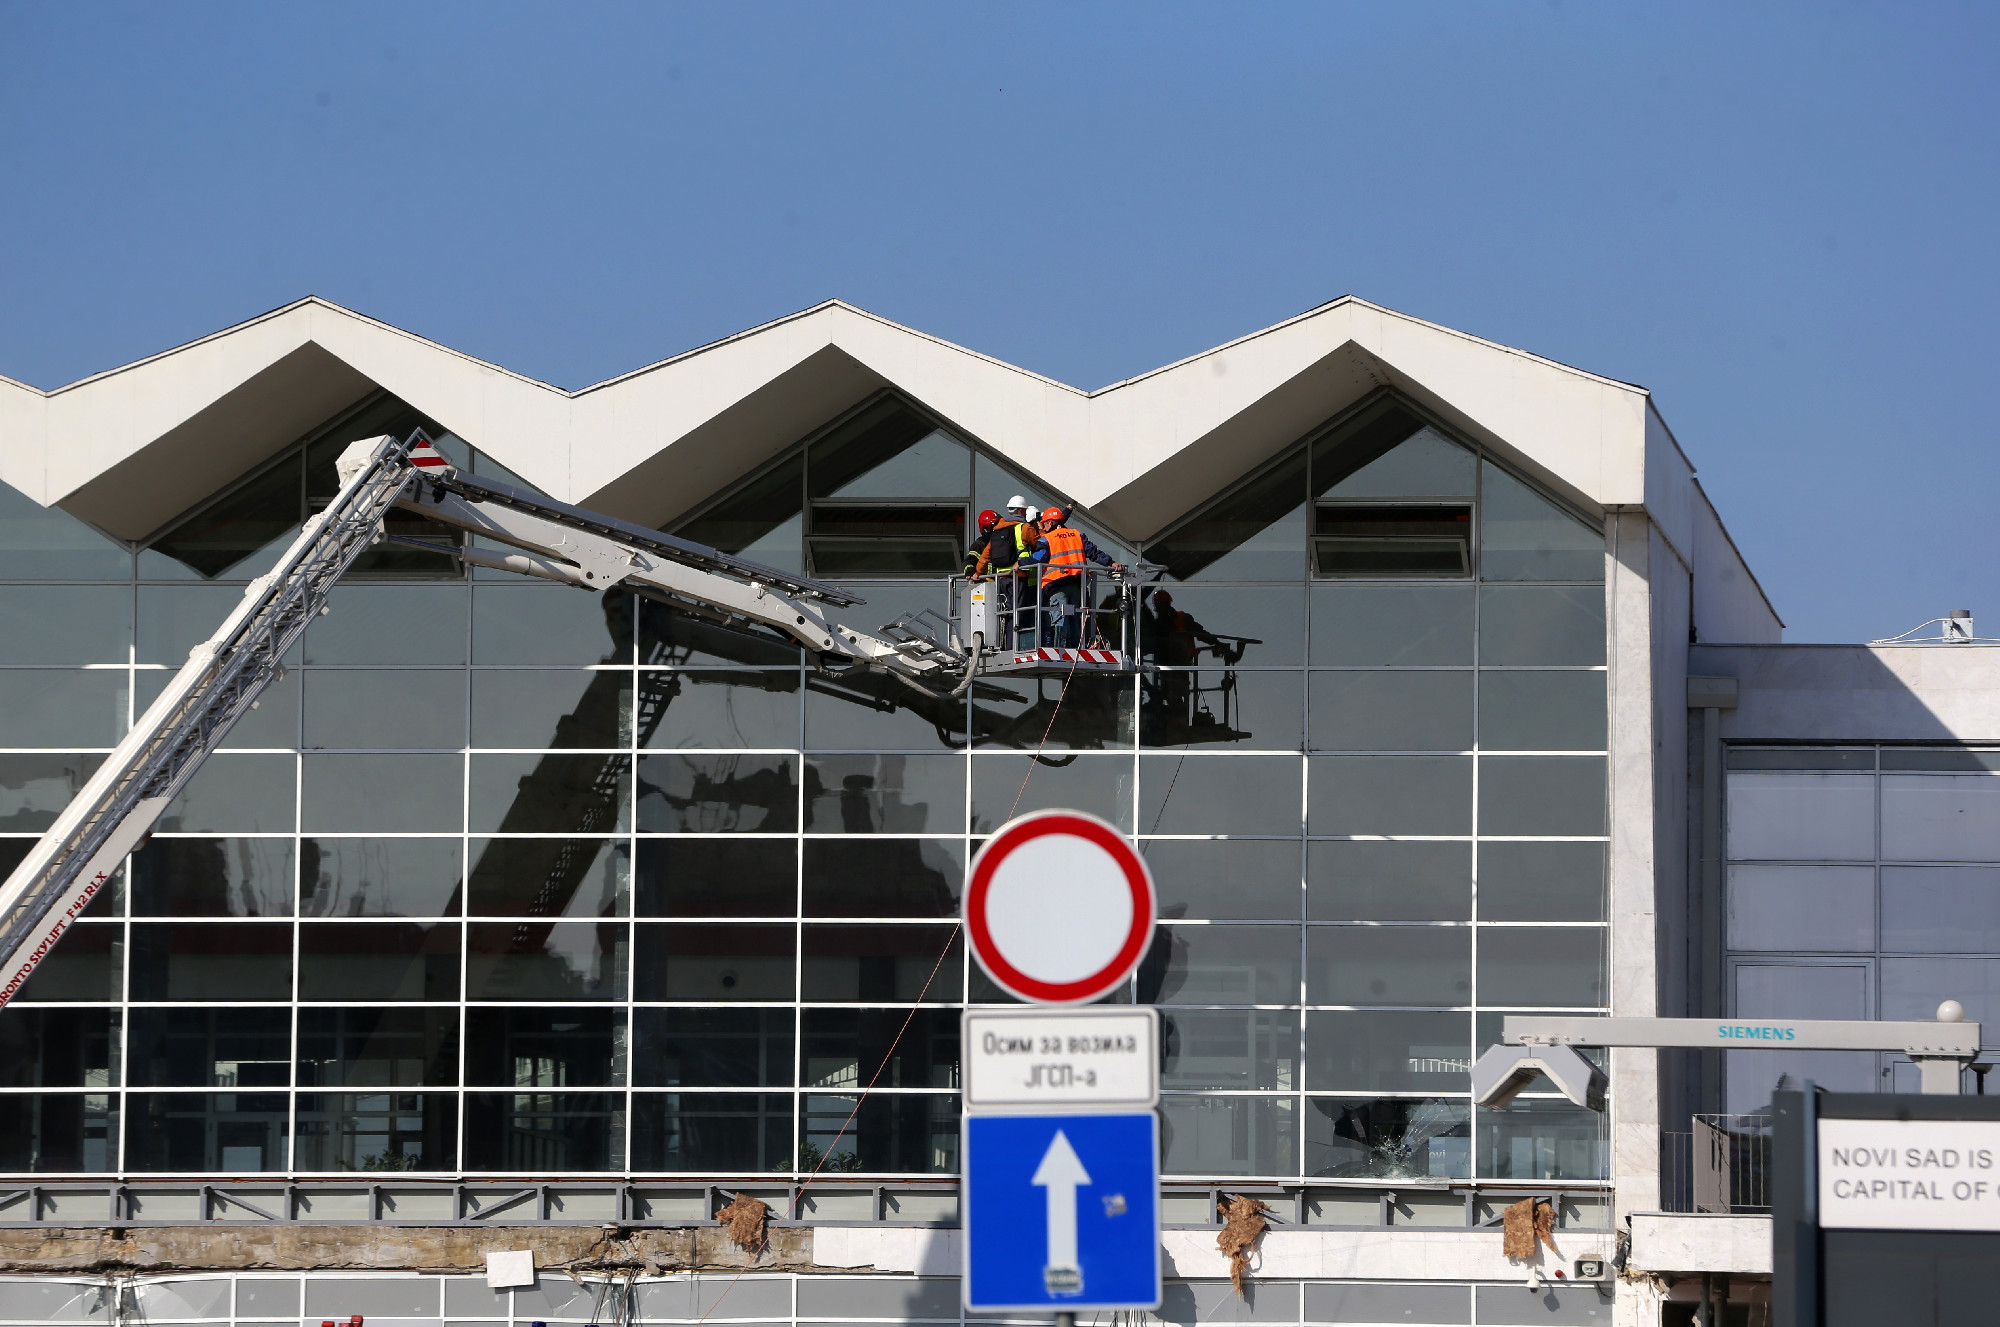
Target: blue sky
[(1781, 218)]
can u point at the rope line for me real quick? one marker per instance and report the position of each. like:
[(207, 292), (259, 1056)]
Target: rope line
[(1037, 757)]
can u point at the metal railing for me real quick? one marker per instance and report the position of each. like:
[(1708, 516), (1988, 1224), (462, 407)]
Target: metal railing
[(1721, 1165)]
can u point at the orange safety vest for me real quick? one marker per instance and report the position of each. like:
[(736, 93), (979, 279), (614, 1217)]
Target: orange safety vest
[(1065, 554)]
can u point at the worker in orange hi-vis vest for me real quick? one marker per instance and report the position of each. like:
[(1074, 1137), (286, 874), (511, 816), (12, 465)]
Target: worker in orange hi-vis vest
[(1063, 553)]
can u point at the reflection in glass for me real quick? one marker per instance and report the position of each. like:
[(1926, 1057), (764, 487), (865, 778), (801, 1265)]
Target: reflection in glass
[(760, 520), (379, 877), (716, 1132), (60, 1132), (173, 619), (41, 543), (713, 707), (1219, 794), (1228, 1135), (1387, 453), (1211, 708), (391, 624), (57, 1047), (1259, 626), (846, 1048), (195, 1133), (1541, 965), (1388, 881), (1221, 965), (1397, 711), (1230, 1048), (544, 1132), (378, 1047), (539, 1048), (1094, 713), (1542, 1140), (1389, 965), (882, 877), (1010, 785), (1390, 795), (376, 1132), (888, 451), (885, 795), (544, 961), (34, 789), (61, 707), (1541, 624), (670, 637), (569, 707), (714, 963), (212, 878), (274, 723), (378, 961), (1525, 537), (1384, 625), (548, 794), (700, 794), (209, 1048), (1535, 711), (385, 708), (1561, 795), (516, 623), (1256, 533), (1225, 879), (1387, 1051), (373, 794), (889, 1133), (240, 534), (1541, 882), (690, 877), (240, 794), (211, 961), (548, 878), (86, 965), (864, 711), (712, 1047), (851, 964), (1389, 1138)]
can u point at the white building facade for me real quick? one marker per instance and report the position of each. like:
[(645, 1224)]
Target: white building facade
[(518, 917)]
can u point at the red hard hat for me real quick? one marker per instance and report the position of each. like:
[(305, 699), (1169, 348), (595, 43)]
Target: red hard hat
[(1059, 513), (987, 520)]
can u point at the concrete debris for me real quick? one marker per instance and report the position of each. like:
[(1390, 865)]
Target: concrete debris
[(747, 1219), (1525, 1224), (1243, 1224)]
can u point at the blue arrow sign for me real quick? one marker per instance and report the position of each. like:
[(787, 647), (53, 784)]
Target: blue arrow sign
[(1062, 1212)]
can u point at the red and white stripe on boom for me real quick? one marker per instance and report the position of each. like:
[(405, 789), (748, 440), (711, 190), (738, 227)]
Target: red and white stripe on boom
[(426, 457)]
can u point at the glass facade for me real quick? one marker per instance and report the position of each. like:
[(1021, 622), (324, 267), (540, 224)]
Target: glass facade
[(507, 878)]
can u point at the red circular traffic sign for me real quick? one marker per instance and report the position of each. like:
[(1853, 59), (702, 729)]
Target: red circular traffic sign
[(1059, 909)]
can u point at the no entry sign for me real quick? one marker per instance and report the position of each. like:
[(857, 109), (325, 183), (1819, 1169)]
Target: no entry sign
[(1059, 909)]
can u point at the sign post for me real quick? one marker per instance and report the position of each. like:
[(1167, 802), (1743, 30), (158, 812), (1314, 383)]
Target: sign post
[(1062, 1139)]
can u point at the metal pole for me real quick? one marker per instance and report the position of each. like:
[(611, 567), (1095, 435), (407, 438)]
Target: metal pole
[(1065, 1320)]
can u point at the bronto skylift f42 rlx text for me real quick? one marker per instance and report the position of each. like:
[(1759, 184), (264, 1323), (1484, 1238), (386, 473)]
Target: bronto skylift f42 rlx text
[(932, 653)]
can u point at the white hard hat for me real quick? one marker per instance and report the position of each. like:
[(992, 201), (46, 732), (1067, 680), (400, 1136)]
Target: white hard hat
[(1016, 503), (1030, 515)]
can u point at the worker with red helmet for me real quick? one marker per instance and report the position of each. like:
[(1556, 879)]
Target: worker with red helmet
[(1063, 553), (1001, 551)]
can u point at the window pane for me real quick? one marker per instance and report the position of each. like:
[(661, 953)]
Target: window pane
[(1210, 709), (1913, 987), (885, 794), (210, 1048), (1390, 795), (1266, 622), (1389, 965), (1541, 1140), (1256, 533), (859, 711), (846, 1048), (86, 965), (1359, 1302), (1803, 817), (883, 877), (714, 1047), (391, 624), (545, 961), (173, 619), (549, 794), (1525, 537), (1541, 711), (1228, 1136), (1225, 879), (1533, 965), (1404, 625), (1931, 909), (1219, 794), (714, 963), (239, 794), (731, 1133), (1541, 795), (212, 878), (1541, 882), (1011, 785), (549, 878), (380, 1131), (34, 789), (711, 707), (1230, 1048), (1806, 907), (1376, 881), (571, 707), (40, 543), (550, 624), (545, 1048), (668, 637), (211, 961), (273, 723), (379, 877), (912, 1135), (1541, 624), (62, 1132), (850, 964), (193, 1133), (380, 794), (1389, 1137), (57, 1047), (1425, 464), (1387, 1051), (61, 707), (760, 521), (690, 877), (377, 961), (544, 1132), (239, 535), (1392, 711), (1221, 965), (1941, 817), (385, 708), (378, 1047), (1027, 714), (888, 451), (66, 624), (699, 794)]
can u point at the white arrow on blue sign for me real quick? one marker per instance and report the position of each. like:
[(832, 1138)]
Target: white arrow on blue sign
[(1062, 1212)]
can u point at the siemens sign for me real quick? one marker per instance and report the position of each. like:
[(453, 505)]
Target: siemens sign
[(1752, 1032)]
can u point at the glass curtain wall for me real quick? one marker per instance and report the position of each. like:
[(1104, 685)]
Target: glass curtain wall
[(507, 878)]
